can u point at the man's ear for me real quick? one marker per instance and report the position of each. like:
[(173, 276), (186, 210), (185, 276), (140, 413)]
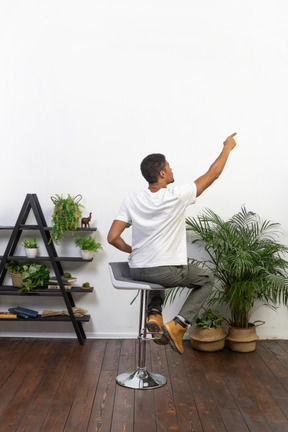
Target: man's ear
[(162, 173)]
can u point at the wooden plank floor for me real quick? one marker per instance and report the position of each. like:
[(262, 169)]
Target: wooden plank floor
[(57, 385)]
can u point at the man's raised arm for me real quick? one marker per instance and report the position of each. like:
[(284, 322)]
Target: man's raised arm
[(217, 167)]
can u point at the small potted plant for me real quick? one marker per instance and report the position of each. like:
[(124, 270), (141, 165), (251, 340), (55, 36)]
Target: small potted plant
[(88, 246), (207, 333), (27, 276), (16, 270), (31, 247), (85, 286)]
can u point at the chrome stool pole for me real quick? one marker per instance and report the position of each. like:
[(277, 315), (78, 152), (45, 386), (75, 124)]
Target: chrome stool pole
[(141, 378)]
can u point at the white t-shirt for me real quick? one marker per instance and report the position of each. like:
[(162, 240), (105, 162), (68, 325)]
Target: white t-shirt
[(158, 225)]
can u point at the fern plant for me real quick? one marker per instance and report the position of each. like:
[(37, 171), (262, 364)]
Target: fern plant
[(30, 243), (87, 243), (246, 258), (67, 212)]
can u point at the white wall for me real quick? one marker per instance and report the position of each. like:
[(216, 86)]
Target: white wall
[(89, 88)]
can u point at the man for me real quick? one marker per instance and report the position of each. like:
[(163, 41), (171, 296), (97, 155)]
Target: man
[(159, 251)]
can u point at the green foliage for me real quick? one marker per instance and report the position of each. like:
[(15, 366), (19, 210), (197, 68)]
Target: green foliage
[(14, 267), (65, 216), (86, 284), (209, 319), (172, 293), (87, 243), (33, 276), (246, 258), (30, 243), (67, 275)]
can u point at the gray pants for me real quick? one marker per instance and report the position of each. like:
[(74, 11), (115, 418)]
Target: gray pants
[(189, 276)]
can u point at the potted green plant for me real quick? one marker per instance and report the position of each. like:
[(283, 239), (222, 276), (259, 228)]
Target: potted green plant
[(66, 215), (33, 276), (31, 247), (27, 276), (88, 246), (207, 333), (16, 269), (85, 286), (249, 262)]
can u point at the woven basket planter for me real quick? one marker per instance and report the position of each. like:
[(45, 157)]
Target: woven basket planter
[(16, 280), (207, 339), (242, 339)]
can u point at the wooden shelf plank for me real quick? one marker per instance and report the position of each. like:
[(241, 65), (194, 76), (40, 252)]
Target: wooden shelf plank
[(61, 318), (10, 290), (37, 228), (46, 258)]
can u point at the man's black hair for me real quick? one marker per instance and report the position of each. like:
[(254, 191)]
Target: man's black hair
[(151, 167)]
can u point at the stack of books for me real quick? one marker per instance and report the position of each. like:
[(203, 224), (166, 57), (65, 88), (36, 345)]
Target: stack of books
[(54, 284), (22, 312)]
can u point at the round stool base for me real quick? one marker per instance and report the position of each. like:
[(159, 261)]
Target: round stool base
[(141, 379)]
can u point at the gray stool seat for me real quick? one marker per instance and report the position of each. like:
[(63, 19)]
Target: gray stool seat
[(140, 379)]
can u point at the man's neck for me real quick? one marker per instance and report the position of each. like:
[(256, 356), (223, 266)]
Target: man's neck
[(155, 187)]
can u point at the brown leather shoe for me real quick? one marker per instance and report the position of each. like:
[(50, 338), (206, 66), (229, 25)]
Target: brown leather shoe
[(174, 330), (154, 324)]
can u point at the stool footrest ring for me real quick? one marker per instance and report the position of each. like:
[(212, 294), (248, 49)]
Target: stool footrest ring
[(142, 338)]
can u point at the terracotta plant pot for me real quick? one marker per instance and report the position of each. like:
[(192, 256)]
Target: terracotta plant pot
[(242, 339), (207, 339)]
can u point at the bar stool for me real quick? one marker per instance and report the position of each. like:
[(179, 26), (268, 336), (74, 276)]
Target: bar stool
[(140, 379)]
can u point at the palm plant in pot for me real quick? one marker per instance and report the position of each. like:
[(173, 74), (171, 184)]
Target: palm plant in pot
[(88, 246), (248, 261)]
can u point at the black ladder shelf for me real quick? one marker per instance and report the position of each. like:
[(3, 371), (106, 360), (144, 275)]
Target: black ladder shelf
[(31, 203)]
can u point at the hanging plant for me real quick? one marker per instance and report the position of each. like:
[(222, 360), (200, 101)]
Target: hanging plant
[(66, 215)]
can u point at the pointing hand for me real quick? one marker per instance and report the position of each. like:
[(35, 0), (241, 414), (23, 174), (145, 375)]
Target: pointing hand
[(230, 142)]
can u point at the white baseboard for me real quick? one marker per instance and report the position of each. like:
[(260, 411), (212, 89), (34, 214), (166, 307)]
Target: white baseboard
[(267, 335)]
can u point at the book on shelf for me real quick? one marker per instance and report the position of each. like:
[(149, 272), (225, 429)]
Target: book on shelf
[(54, 279), (7, 315), (23, 312), (55, 286)]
